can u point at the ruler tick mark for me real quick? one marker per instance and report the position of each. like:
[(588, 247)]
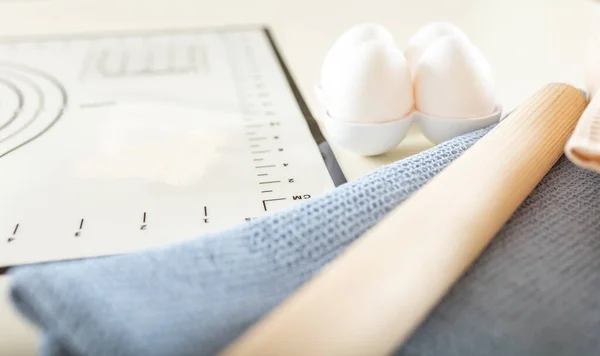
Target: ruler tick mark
[(258, 138), (258, 159), (13, 238), (263, 174), (270, 182), (266, 191), (267, 200), (257, 152), (144, 226), (268, 166)]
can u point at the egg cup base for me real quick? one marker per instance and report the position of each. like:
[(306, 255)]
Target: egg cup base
[(370, 139), (439, 129)]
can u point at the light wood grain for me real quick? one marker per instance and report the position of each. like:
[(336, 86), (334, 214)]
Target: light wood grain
[(369, 300)]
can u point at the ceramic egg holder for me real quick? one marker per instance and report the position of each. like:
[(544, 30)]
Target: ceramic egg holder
[(371, 92)]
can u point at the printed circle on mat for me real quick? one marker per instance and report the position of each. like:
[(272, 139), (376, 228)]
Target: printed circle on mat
[(32, 102)]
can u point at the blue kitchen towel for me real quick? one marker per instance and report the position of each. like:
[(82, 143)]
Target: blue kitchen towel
[(534, 291)]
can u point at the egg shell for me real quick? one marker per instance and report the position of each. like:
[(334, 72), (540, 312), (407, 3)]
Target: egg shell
[(592, 65), (453, 79), (424, 37), (371, 85), (349, 40)]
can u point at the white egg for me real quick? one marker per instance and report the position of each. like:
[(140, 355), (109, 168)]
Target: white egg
[(424, 37), (592, 65), (371, 84), (349, 40), (453, 79)]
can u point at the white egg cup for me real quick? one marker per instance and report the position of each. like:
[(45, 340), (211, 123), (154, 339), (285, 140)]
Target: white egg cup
[(378, 138), (439, 129), (367, 139)]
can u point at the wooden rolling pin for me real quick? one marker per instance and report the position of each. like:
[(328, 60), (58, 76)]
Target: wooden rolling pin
[(370, 299)]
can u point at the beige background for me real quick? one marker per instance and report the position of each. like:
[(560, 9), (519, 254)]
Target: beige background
[(528, 42)]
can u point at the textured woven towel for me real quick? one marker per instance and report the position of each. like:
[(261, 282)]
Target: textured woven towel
[(534, 291)]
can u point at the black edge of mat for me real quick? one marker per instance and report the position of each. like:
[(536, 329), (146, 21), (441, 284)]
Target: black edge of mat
[(326, 152)]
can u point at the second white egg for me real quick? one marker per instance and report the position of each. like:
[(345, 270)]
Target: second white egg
[(453, 79), (424, 37)]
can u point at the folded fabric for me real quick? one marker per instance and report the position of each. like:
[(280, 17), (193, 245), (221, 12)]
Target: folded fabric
[(583, 148), (533, 292)]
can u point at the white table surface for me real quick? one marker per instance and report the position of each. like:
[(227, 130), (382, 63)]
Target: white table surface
[(528, 43)]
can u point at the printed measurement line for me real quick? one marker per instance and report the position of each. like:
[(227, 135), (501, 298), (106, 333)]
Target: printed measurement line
[(266, 200), (263, 174), (269, 166), (270, 182), (254, 146), (81, 224), (16, 229), (266, 191), (254, 125), (251, 133), (258, 159), (144, 217), (258, 138), (205, 211), (257, 152)]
